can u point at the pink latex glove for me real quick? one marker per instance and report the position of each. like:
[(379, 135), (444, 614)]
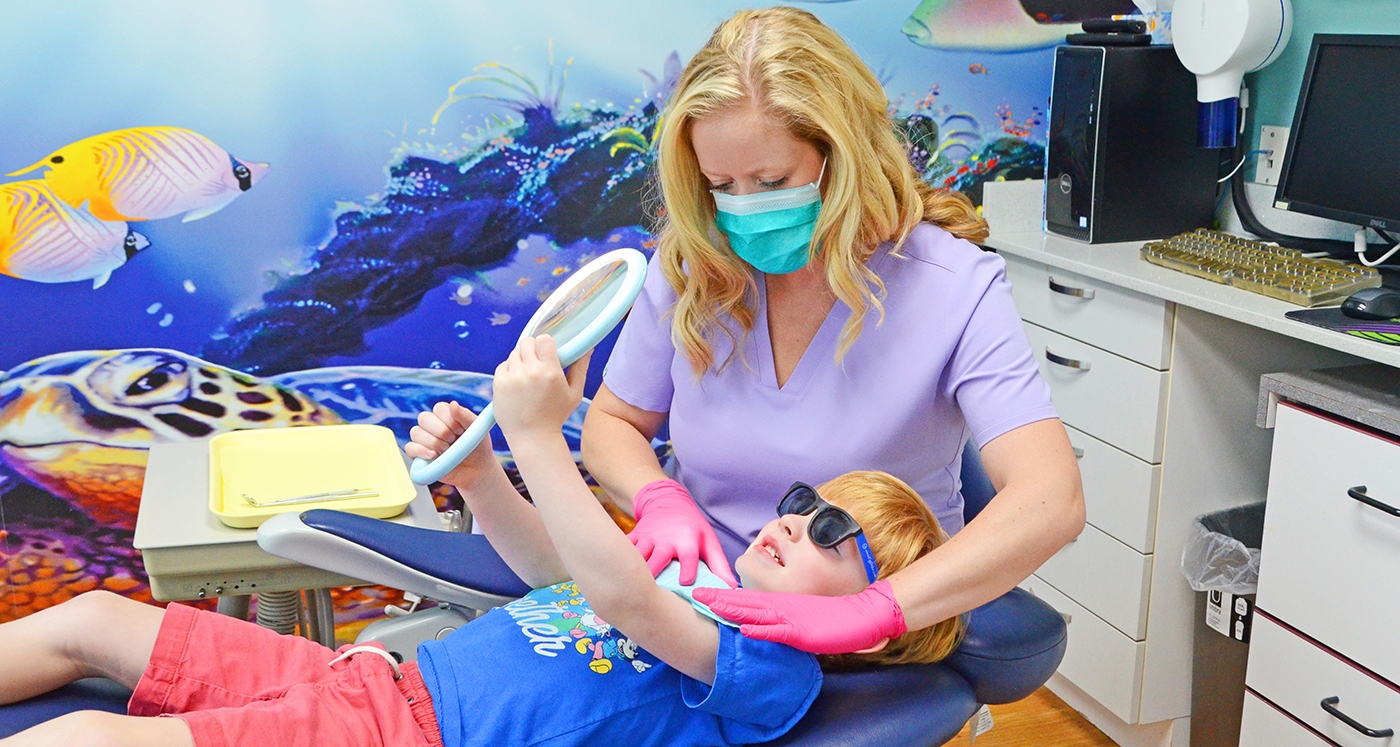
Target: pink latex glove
[(815, 624), (671, 527)]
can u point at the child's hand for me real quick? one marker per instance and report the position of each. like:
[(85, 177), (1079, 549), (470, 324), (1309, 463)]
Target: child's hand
[(532, 394), (437, 430)]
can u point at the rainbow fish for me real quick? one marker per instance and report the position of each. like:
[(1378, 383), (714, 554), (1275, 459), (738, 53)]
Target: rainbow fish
[(44, 240), (987, 25), (147, 173)]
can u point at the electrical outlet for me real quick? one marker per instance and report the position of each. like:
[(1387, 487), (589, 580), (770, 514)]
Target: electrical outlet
[(1267, 168)]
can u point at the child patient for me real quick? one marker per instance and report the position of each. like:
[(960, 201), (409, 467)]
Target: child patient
[(599, 653)]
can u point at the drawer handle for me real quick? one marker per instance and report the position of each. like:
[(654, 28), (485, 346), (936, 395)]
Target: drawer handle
[(1078, 452), (1330, 705), (1359, 493), (1060, 360), (1085, 293)]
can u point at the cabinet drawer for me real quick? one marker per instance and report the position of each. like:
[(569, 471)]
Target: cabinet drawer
[(1107, 396), (1120, 490), (1098, 659), (1121, 321), (1263, 726), (1331, 564), (1105, 576), (1297, 676)]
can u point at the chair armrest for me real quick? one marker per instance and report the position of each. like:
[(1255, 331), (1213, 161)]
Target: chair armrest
[(1012, 646), (447, 566)]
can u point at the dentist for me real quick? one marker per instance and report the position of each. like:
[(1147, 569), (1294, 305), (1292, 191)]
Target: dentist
[(813, 308)]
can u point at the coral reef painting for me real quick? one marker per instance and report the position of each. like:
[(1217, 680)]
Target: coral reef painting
[(348, 220)]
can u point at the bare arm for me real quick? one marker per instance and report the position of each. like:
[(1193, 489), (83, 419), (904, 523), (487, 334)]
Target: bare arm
[(616, 446), (532, 399), (511, 524), (1038, 509)]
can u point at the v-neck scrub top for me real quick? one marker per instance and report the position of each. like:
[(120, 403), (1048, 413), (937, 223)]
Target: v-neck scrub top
[(950, 361)]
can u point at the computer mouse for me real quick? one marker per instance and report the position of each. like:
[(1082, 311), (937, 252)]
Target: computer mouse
[(1373, 303)]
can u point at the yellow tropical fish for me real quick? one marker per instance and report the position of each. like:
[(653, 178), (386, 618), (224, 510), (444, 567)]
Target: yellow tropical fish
[(147, 173), (44, 240)]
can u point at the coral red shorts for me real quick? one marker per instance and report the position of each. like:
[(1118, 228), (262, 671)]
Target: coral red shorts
[(239, 685)]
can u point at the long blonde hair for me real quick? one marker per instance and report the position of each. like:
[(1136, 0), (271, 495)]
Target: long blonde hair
[(900, 529), (804, 76)]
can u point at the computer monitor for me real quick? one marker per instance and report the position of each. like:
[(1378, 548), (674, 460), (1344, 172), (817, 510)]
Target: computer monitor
[(1343, 156)]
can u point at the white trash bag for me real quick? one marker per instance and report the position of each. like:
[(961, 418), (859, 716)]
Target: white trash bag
[(1222, 550)]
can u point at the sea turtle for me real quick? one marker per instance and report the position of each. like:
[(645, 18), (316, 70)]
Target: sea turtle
[(79, 424), (76, 427)]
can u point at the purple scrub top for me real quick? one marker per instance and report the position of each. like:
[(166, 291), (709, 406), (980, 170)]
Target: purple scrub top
[(950, 361)]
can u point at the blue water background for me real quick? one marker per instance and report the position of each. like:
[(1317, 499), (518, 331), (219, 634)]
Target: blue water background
[(330, 93)]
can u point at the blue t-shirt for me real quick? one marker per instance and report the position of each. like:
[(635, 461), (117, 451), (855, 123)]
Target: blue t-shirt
[(545, 670)]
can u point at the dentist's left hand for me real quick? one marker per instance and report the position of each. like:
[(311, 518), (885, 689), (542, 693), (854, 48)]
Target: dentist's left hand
[(532, 395)]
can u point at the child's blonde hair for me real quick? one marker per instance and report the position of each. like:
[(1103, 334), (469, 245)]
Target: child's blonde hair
[(804, 76), (900, 529)]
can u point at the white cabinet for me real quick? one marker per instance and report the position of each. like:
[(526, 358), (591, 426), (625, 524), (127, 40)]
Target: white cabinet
[(1114, 484), (1331, 564), (1267, 725), (1105, 353), (1106, 576), (1164, 421), (1098, 657), (1103, 394), (1132, 325), (1325, 649)]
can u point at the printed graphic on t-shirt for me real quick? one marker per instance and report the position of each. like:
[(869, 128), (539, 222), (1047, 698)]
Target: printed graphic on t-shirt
[(556, 621)]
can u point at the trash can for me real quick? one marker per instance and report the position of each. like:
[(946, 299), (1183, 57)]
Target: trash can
[(1221, 560)]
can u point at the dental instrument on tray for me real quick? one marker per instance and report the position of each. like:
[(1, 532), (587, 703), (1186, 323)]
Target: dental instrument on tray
[(333, 495)]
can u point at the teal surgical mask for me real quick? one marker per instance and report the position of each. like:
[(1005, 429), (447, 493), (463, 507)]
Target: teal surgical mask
[(771, 230)]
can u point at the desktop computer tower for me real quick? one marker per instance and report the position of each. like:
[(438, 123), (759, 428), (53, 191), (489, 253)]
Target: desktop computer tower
[(1121, 158)]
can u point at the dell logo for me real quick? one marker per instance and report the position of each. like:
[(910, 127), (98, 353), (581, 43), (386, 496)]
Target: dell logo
[(1066, 183), (1378, 223)]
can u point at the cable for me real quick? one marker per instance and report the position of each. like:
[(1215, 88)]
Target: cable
[(1360, 246), (1251, 224), (1240, 165)]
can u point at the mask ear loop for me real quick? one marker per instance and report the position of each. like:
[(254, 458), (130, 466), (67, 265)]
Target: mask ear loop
[(820, 174)]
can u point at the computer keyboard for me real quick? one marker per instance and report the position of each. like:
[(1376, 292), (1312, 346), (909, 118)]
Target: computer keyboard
[(1261, 268)]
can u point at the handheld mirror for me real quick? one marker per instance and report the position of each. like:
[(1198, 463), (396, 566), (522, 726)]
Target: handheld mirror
[(578, 315)]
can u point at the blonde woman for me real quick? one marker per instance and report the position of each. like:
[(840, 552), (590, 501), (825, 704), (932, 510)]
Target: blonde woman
[(814, 308)]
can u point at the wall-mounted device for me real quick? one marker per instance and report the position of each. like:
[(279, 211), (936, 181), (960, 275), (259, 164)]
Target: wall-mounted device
[(1121, 161), (1221, 41)]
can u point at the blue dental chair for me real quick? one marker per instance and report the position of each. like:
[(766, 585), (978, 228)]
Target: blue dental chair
[(1012, 646)]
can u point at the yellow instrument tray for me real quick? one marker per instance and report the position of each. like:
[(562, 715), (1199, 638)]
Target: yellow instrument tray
[(281, 463)]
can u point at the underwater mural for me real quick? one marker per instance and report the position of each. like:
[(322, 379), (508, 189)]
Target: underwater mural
[(434, 175), (78, 425), (1004, 25), (73, 224)]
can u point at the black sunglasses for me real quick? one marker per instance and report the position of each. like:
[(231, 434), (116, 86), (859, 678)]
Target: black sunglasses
[(830, 525)]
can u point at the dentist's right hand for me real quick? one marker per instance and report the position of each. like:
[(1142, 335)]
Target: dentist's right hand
[(671, 527)]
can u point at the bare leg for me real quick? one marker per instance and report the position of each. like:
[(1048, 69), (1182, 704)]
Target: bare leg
[(98, 634), (100, 729)]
